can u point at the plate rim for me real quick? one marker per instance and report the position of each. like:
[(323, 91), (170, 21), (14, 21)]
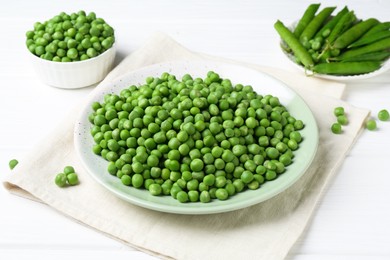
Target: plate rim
[(189, 210)]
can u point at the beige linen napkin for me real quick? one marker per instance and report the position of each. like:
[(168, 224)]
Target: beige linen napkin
[(264, 231)]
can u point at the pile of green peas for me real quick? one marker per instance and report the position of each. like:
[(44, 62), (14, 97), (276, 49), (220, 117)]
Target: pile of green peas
[(70, 37), (12, 163), (67, 177), (194, 139)]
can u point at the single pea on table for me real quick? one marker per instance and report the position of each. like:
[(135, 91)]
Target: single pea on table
[(12, 163), (383, 115)]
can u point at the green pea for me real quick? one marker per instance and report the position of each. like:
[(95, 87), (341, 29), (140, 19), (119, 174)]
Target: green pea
[(182, 196), (292, 144), (192, 185), (69, 169), (205, 197), (137, 180), (336, 128), (371, 125), (296, 136), (72, 178), (285, 159), (238, 185), (246, 177), (126, 180), (60, 179), (338, 111), (254, 185), (342, 120), (270, 175), (12, 163), (220, 181), (155, 189), (193, 195), (383, 115), (209, 179), (221, 194)]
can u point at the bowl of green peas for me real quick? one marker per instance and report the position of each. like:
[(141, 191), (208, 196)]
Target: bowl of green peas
[(191, 137), (336, 44), (72, 50)]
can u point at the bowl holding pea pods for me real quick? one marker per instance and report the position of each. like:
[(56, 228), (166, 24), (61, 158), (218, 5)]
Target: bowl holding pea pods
[(71, 50), (336, 45)]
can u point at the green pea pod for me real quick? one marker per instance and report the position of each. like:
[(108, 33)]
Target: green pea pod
[(372, 56), (343, 24), (347, 68), (380, 45), (370, 39), (332, 22), (314, 25), (308, 15), (289, 38), (378, 28), (354, 33)]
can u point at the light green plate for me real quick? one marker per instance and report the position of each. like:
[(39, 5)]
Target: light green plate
[(261, 83)]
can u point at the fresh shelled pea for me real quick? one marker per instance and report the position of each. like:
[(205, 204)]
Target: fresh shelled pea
[(72, 178), (60, 180), (194, 139), (70, 37), (342, 120), (12, 163), (339, 111), (68, 169), (338, 45), (383, 115)]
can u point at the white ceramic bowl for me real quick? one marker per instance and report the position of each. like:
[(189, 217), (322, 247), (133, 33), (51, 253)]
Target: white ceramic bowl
[(72, 75), (290, 57)]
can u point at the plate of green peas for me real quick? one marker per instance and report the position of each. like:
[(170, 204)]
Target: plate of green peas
[(196, 137), (336, 44)]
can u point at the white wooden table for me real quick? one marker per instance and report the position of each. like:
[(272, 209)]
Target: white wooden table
[(352, 219)]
